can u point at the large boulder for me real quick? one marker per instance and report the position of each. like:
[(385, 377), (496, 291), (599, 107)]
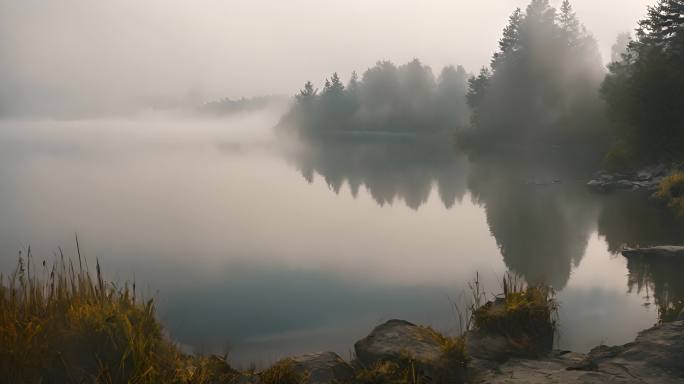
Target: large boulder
[(659, 251), (398, 340), (323, 368), (656, 356), (407, 345)]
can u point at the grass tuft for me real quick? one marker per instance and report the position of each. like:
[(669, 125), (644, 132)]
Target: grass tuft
[(283, 372), (525, 314), (64, 325)]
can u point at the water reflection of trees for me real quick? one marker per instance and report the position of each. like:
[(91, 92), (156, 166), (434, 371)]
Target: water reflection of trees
[(539, 211), (390, 168), (660, 280), (539, 214), (633, 220)]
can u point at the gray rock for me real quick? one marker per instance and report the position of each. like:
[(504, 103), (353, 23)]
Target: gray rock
[(323, 368), (647, 178), (400, 342), (484, 346), (656, 356), (659, 251)]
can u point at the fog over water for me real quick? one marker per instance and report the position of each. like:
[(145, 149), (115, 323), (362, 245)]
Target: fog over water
[(273, 252), (82, 58), (275, 225)]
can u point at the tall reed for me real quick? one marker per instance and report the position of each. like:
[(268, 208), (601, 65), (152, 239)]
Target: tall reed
[(60, 324)]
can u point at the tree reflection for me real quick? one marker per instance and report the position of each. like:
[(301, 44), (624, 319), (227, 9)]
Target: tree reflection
[(390, 167), (659, 279), (540, 216), (633, 220), (538, 208)]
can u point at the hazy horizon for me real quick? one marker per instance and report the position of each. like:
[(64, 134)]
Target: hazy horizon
[(83, 58)]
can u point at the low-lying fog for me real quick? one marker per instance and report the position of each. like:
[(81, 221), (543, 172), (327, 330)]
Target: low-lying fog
[(249, 246)]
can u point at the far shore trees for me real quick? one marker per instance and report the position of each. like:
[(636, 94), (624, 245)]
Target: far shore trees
[(387, 98)]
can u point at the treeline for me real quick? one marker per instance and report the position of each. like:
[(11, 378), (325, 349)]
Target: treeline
[(645, 89), (403, 99), (227, 106), (542, 82), (546, 85)]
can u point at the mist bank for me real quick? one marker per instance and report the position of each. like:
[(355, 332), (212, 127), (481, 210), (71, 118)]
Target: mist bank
[(545, 87)]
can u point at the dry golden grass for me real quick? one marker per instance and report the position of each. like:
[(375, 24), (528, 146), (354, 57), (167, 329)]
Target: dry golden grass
[(61, 325), (525, 314), (282, 372)]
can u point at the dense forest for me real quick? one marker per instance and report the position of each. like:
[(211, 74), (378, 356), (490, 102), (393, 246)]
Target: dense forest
[(546, 85), (543, 81), (644, 89), (387, 98)]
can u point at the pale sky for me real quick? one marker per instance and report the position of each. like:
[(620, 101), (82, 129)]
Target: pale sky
[(80, 54)]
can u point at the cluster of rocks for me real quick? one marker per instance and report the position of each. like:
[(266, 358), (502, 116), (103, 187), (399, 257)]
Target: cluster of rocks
[(656, 356), (646, 179)]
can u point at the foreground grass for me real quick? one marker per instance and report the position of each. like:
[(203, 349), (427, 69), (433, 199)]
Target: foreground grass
[(68, 327), (62, 325)]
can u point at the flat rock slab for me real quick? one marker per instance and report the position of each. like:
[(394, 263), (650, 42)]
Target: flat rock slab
[(660, 251), (323, 368), (656, 356)]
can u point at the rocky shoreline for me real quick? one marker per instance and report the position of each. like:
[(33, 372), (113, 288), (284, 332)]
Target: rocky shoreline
[(644, 179), (655, 356), (400, 352)]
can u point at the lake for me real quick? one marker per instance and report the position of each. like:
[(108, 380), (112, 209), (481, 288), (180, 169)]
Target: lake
[(262, 249)]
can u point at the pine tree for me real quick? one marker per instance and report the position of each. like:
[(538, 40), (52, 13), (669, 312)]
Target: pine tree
[(569, 24), (477, 86), (540, 11), (510, 40), (620, 47), (644, 90), (664, 26), (307, 93), (336, 85), (353, 84)]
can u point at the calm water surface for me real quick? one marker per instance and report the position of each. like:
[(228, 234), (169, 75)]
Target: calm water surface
[(263, 251)]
